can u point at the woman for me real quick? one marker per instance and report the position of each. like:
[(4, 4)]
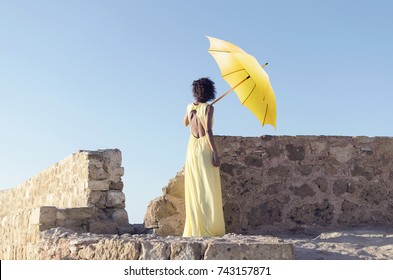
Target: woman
[(203, 202)]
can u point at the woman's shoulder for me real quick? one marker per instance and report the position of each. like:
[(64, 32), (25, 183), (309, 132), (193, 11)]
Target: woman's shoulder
[(192, 106)]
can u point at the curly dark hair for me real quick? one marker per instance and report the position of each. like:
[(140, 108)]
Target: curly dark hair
[(203, 90)]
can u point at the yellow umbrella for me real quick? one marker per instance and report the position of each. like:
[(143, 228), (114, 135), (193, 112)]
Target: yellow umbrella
[(247, 78)]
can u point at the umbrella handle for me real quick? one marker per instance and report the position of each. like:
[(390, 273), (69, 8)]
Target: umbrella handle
[(226, 93)]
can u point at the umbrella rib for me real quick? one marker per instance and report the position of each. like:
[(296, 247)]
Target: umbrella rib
[(234, 72), (265, 92), (249, 94), (219, 51), (264, 119)]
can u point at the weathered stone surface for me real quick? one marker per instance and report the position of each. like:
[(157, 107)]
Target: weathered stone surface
[(315, 213), (341, 186), (186, 251), (270, 184), (161, 209), (112, 249), (103, 226), (246, 251), (276, 183), (81, 193), (43, 215), (101, 185), (152, 250), (62, 244), (342, 154), (303, 191), (280, 171), (268, 212), (295, 152), (120, 216), (116, 185), (232, 216), (358, 170), (322, 184), (115, 199), (79, 213), (352, 214)]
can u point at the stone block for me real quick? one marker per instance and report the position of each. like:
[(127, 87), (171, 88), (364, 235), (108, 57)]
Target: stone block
[(303, 191), (342, 154), (120, 216), (186, 251), (97, 198), (128, 250), (43, 216), (250, 251), (352, 214), (359, 170), (80, 213), (126, 229), (313, 214), (341, 186), (318, 147), (304, 170), (115, 199), (109, 227), (295, 152), (253, 161), (232, 216), (116, 185), (322, 184), (76, 225), (172, 225), (101, 185), (110, 249), (154, 250), (268, 212), (97, 171), (274, 152), (118, 172)]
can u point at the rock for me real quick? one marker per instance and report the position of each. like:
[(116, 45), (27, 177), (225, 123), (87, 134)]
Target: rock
[(295, 152), (186, 251), (342, 154), (154, 251), (120, 216), (115, 199)]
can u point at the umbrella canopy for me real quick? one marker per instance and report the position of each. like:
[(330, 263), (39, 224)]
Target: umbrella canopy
[(247, 78)]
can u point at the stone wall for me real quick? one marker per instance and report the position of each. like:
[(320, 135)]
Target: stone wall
[(82, 192), (275, 183), (75, 209)]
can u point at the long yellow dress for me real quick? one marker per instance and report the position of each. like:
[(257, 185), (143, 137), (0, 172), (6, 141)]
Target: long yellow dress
[(203, 201)]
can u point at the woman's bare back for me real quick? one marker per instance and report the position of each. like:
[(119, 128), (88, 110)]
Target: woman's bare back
[(197, 129)]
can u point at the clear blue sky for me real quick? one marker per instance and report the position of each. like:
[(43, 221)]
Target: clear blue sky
[(117, 74)]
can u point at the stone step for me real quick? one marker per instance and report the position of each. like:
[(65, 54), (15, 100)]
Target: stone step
[(62, 244)]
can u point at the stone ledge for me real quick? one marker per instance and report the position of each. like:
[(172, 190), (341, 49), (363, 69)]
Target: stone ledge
[(60, 243)]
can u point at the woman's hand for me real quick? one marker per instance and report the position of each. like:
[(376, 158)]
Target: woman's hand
[(216, 159)]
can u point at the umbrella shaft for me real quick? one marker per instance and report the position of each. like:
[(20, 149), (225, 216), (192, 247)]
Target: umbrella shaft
[(226, 93)]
